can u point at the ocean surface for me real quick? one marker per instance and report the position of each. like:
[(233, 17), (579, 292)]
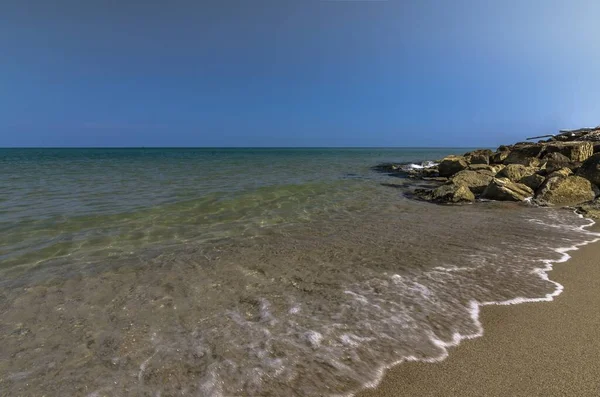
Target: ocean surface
[(246, 272)]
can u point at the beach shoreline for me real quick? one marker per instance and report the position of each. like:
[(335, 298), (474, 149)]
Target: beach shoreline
[(529, 349)]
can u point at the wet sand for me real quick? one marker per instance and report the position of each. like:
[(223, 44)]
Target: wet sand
[(531, 349)]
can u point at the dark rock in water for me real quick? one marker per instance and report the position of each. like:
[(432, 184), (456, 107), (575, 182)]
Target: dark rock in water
[(533, 181), (574, 151), (590, 169), (451, 165), (481, 156), (476, 181), (503, 189), (516, 172), (566, 191), (591, 209)]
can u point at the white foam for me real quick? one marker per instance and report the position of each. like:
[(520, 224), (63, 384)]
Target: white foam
[(475, 306)]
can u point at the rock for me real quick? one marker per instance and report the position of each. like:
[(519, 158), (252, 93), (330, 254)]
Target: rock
[(451, 165), (494, 169), (564, 172), (555, 161), (476, 181), (590, 169), (575, 151), (525, 154), (533, 181), (481, 156), (515, 172), (452, 193), (566, 191), (504, 189), (591, 209), (499, 157)]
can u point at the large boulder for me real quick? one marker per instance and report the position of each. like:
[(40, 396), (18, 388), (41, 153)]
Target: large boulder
[(566, 191), (451, 165), (590, 169), (533, 181), (499, 156), (525, 154), (481, 156), (476, 181), (575, 151), (447, 193), (555, 161), (504, 189), (515, 172), (452, 193)]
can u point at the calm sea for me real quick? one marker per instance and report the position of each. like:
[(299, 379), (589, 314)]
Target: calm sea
[(227, 272)]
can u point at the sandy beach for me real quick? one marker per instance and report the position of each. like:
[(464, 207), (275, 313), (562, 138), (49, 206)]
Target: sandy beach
[(531, 349)]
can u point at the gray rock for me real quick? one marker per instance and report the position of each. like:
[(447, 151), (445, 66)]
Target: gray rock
[(504, 189)]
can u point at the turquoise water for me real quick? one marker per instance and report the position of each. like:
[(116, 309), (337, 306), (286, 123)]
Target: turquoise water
[(238, 272)]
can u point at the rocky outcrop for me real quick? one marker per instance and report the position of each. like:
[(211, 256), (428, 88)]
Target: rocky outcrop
[(590, 169), (574, 151), (504, 189), (515, 172), (451, 165), (566, 191), (476, 181)]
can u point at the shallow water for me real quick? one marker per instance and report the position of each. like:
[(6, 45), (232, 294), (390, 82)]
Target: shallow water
[(245, 271)]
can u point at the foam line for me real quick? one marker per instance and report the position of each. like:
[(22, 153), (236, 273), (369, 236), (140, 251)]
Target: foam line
[(475, 308)]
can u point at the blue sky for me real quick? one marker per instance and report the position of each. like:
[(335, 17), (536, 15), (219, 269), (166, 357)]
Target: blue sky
[(296, 72)]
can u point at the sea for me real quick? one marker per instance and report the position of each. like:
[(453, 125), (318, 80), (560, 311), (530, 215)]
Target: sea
[(248, 272)]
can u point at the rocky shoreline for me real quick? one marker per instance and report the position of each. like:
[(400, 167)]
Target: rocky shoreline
[(563, 171)]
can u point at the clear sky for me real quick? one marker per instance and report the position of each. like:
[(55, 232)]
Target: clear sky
[(296, 72)]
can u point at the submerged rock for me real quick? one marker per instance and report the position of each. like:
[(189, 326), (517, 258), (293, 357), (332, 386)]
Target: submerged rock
[(566, 190), (504, 189), (451, 165), (590, 169)]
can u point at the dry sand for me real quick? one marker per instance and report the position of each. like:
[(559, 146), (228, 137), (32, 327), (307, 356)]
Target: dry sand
[(532, 349)]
